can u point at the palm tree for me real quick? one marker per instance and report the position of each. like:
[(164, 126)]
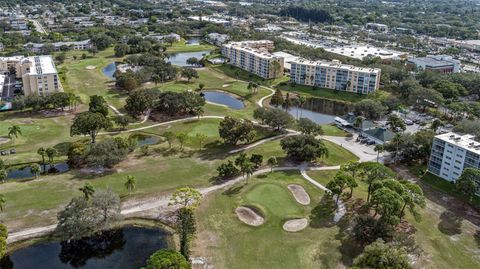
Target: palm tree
[(87, 190), (13, 132), (252, 86), (51, 153), (397, 139), (130, 184), (2, 202), (358, 122), (247, 170), (35, 169), (301, 100), (41, 151), (3, 175), (379, 149)]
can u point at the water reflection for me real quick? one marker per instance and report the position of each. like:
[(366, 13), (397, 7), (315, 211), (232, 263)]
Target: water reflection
[(126, 248)]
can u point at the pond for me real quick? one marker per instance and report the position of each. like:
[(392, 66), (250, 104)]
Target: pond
[(24, 172), (125, 248), (317, 117), (109, 70), (180, 59), (223, 98), (143, 140), (192, 41)]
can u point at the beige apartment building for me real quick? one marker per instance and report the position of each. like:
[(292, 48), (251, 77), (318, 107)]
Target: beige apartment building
[(38, 73), (254, 57), (335, 75)]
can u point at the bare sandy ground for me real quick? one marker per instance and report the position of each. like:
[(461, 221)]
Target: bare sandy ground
[(300, 194), (248, 216), (90, 67), (295, 225)]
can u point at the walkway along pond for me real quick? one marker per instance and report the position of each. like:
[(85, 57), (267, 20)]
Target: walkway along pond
[(125, 248)]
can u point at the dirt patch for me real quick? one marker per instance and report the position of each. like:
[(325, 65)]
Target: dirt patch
[(249, 216), (299, 193), (90, 67), (295, 225), (4, 140)]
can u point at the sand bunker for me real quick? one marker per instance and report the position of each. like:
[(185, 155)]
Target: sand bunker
[(300, 194), (295, 225), (90, 67), (248, 216), (225, 85)]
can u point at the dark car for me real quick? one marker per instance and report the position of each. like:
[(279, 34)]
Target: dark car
[(13, 151), (3, 152)]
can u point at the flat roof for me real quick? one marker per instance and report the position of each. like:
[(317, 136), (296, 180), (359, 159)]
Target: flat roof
[(463, 141), (339, 65)]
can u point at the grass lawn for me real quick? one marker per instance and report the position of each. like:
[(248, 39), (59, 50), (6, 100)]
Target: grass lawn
[(332, 130), (229, 243), (337, 155), (182, 46), (448, 242), (37, 131), (235, 72), (79, 77), (323, 93)]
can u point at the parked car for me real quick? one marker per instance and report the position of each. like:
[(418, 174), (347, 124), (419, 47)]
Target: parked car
[(371, 142), (3, 152), (408, 122), (13, 151)]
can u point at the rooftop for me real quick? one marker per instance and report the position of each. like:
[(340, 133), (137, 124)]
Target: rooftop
[(464, 141), (339, 65)]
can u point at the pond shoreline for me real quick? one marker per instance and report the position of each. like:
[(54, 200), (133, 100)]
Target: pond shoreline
[(172, 240)]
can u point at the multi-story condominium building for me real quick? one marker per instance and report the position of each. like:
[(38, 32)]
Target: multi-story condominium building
[(440, 63), (254, 57), (451, 154), (57, 46), (334, 75), (38, 73)]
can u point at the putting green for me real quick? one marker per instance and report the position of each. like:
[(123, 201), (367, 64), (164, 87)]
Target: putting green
[(274, 200)]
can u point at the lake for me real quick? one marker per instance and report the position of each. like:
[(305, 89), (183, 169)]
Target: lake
[(223, 98), (180, 59), (192, 41), (143, 140), (109, 70), (317, 117), (24, 172), (125, 248)]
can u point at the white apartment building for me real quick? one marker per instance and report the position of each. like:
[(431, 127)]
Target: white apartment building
[(254, 57), (57, 46), (335, 75), (451, 154), (38, 73)]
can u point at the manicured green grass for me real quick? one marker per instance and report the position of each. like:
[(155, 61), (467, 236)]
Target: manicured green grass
[(77, 77), (332, 130), (229, 243), (337, 155), (37, 131), (322, 92), (237, 73), (182, 46), (274, 201), (445, 248)]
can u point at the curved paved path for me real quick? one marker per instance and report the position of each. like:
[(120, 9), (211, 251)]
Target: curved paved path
[(162, 201)]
